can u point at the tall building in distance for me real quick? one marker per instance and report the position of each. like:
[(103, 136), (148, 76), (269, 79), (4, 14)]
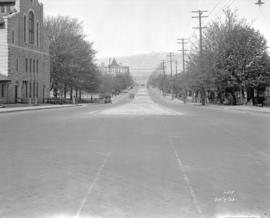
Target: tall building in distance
[(113, 68), (24, 52)]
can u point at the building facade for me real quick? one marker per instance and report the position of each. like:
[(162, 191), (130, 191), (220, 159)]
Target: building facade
[(24, 52), (114, 68)]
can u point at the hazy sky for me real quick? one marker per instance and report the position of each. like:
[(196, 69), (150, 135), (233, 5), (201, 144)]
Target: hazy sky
[(127, 27)]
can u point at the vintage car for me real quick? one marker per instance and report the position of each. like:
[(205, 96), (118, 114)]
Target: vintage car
[(105, 99)]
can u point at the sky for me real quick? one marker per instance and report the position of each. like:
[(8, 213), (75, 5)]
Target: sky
[(130, 27)]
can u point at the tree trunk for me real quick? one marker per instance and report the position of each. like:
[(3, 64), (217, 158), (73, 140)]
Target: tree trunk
[(71, 93), (219, 97), (65, 91), (234, 97), (203, 96), (55, 92), (251, 95)]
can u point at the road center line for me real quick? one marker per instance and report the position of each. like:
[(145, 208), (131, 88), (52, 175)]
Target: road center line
[(92, 184), (187, 181), (193, 195)]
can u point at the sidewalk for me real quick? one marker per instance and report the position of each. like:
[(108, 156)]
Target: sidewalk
[(33, 108), (244, 108)]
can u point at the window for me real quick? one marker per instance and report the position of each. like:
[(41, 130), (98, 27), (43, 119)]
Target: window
[(2, 90), (30, 89), (17, 65), (2, 9), (8, 9), (31, 27), (30, 65), (37, 89), (37, 66), (12, 37), (24, 28), (34, 66), (34, 89), (26, 65), (37, 34)]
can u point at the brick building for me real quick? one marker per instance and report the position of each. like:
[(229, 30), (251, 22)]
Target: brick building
[(24, 52)]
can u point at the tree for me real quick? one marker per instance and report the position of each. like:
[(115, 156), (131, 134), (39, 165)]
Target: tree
[(234, 58), (72, 57)]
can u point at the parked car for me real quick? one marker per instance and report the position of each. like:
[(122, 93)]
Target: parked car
[(105, 98)]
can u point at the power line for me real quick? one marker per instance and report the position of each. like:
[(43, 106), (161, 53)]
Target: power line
[(230, 4), (214, 8), (265, 18), (226, 5)]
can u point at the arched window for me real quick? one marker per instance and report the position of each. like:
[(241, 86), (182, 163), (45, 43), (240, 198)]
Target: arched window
[(31, 27), (24, 28)]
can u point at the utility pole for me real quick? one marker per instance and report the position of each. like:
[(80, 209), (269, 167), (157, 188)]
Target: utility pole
[(109, 66), (163, 67), (176, 68), (164, 74), (183, 50), (170, 60), (200, 13)]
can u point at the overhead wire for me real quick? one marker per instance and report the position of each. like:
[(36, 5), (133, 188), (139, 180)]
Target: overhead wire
[(214, 8), (226, 5), (263, 15)]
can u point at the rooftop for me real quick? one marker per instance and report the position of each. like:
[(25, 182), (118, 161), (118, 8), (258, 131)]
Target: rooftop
[(114, 64)]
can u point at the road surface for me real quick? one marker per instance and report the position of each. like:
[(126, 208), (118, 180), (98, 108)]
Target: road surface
[(141, 158)]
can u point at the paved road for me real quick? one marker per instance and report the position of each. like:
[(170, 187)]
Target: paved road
[(138, 159)]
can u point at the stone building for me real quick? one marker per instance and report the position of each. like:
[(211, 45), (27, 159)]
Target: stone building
[(24, 52), (114, 68)]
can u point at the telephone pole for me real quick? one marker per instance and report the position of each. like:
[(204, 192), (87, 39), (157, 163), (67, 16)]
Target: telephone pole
[(170, 60), (183, 42), (164, 74), (163, 66), (200, 27), (176, 68), (200, 16)]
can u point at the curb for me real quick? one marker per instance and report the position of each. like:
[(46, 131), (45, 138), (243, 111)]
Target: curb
[(237, 109), (253, 111), (38, 109)]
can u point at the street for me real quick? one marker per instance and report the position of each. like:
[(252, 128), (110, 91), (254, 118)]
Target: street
[(136, 158)]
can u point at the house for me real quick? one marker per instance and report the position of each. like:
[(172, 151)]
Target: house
[(114, 68), (24, 52)]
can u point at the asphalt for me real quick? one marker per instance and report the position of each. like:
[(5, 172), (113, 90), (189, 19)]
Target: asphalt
[(136, 158)]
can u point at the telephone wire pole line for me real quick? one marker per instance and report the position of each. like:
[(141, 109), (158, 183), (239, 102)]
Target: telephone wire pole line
[(183, 50), (171, 54), (200, 27)]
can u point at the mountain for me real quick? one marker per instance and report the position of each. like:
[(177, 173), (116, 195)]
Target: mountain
[(142, 65)]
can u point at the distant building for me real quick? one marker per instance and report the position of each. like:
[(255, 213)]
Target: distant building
[(24, 52), (113, 68)]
